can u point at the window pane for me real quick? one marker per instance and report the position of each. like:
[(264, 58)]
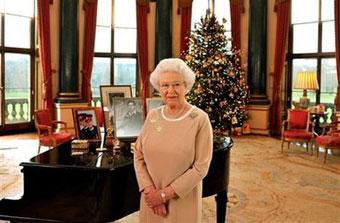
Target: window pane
[(199, 8), (328, 37), (125, 13), (100, 74), (305, 38), (303, 65), (2, 5), (12, 25), (20, 7), (329, 81), (103, 39), (125, 72), (125, 40), (222, 10), (327, 10), (17, 93), (300, 14), (104, 13)]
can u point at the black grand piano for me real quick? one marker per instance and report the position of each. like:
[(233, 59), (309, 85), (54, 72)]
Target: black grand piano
[(96, 186)]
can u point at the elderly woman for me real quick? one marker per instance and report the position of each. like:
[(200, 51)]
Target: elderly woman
[(173, 150)]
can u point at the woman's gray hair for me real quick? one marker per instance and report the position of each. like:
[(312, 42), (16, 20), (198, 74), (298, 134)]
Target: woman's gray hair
[(173, 65)]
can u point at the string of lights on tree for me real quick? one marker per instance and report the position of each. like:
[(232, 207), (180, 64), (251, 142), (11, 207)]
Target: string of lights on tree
[(220, 88)]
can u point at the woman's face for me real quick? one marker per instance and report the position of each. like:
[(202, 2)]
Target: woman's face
[(172, 88)]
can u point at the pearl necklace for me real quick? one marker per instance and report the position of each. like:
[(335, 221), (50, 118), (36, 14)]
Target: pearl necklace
[(179, 113)]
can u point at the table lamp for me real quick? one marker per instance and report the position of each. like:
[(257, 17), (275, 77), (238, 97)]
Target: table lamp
[(306, 80)]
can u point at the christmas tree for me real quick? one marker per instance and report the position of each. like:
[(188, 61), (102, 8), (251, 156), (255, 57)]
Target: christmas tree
[(220, 88)]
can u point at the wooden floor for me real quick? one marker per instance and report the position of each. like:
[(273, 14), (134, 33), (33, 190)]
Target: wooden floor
[(265, 184)]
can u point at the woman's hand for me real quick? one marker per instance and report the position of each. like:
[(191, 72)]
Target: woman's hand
[(160, 210), (148, 189), (153, 198)]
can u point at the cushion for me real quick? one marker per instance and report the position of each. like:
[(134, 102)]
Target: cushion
[(298, 134), (60, 137), (298, 119), (328, 141)]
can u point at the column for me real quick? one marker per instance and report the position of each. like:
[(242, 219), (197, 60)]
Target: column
[(69, 93), (257, 62), (163, 38), (68, 80)]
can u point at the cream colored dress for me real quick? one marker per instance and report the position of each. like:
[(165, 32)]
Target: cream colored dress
[(174, 152)]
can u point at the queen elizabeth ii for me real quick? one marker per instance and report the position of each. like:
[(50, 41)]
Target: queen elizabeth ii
[(174, 149)]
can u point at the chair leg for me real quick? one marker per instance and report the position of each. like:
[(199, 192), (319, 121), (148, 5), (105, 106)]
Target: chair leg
[(282, 145), (325, 156), (311, 149), (317, 151), (39, 149), (307, 145)]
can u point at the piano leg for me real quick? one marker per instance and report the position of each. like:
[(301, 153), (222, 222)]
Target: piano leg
[(221, 206)]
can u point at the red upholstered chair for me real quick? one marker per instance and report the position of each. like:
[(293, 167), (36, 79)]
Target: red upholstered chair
[(46, 127), (297, 128), (329, 140), (100, 117)]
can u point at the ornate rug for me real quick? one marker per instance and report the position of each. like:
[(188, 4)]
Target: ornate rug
[(265, 185)]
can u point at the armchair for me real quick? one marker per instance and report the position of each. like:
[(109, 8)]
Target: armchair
[(296, 128), (330, 139), (46, 127)]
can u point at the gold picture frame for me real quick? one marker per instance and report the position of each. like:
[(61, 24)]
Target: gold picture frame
[(107, 93), (86, 124)]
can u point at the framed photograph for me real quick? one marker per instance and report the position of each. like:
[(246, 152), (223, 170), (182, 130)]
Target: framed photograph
[(152, 103), (129, 117), (86, 124), (107, 93)]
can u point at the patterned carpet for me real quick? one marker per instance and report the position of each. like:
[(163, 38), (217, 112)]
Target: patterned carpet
[(265, 184)]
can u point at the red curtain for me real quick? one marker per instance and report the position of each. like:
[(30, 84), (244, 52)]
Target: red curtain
[(90, 7), (236, 7), (142, 42), (337, 48), (45, 52), (185, 27), (282, 25)]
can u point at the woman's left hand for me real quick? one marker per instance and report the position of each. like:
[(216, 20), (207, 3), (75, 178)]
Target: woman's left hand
[(153, 198)]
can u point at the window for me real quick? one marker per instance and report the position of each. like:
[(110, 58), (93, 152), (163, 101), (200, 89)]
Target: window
[(115, 56), (221, 11), (312, 48), (17, 56)]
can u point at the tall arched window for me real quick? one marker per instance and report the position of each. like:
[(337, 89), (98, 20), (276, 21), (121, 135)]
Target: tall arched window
[(17, 62), (312, 48), (221, 11), (115, 53)]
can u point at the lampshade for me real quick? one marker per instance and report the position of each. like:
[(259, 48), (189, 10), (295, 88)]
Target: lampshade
[(306, 80)]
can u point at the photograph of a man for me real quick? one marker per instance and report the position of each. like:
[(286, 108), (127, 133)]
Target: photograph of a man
[(129, 116)]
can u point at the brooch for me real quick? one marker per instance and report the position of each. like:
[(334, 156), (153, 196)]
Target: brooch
[(193, 114), (155, 122)]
